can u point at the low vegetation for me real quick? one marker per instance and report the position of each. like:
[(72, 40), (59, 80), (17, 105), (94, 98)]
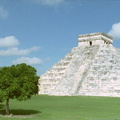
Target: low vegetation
[(63, 108)]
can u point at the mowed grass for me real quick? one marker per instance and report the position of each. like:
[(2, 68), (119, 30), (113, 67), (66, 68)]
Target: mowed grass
[(64, 108)]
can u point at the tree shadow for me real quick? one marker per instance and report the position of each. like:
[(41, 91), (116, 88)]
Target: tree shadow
[(20, 112)]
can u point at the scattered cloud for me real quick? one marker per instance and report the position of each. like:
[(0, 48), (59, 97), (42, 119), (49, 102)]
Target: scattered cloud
[(115, 31), (8, 41), (29, 61), (16, 51), (49, 2), (11, 42), (3, 13), (47, 59), (8, 47)]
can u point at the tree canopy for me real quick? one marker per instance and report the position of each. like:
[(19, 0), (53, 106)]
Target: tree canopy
[(17, 82)]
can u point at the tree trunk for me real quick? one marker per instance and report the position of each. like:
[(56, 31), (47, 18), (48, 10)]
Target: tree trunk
[(7, 107)]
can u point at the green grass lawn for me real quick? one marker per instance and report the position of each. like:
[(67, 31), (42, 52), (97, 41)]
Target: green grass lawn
[(64, 108)]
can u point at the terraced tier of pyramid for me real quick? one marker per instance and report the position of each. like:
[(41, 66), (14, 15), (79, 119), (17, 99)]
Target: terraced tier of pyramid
[(92, 68)]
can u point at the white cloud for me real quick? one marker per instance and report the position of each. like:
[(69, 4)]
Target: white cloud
[(8, 41), (36, 48), (49, 2), (11, 42), (16, 51), (115, 31), (29, 61), (3, 13), (47, 59)]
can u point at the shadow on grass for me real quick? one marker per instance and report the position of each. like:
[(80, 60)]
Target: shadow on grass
[(20, 112)]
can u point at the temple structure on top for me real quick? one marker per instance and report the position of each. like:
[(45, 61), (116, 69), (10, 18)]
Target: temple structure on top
[(92, 68), (94, 39)]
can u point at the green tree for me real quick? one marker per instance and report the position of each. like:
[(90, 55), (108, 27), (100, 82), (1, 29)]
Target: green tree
[(17, 82)]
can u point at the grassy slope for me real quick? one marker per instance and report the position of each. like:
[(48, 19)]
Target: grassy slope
[(66, 108)]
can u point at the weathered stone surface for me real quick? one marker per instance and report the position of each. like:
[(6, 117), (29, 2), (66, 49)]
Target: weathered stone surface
[(92, 68)]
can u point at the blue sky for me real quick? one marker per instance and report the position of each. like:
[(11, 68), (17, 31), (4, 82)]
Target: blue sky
[(41, 32)]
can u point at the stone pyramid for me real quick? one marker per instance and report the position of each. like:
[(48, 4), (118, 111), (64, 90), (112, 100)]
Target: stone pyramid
[(92, 68)]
